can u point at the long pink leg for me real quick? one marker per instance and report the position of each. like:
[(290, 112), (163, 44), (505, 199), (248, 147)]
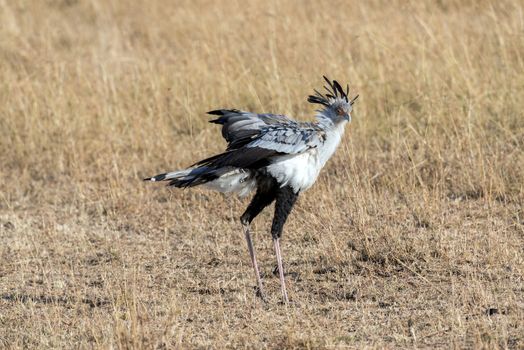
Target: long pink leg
[(254, 262), (276, 241)]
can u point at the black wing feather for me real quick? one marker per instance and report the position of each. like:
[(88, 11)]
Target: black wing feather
[(245, 158)]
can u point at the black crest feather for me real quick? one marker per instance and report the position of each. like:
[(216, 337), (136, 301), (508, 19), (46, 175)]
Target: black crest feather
[(334, 90)]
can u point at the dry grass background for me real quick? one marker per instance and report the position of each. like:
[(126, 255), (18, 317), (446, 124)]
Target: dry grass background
[(412, 237)]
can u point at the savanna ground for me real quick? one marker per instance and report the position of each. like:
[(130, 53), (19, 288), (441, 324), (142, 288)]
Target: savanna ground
[(412, 237)]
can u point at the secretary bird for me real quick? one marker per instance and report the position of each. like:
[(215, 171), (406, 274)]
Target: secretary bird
[(274, 154)]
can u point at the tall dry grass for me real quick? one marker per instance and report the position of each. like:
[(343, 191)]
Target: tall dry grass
[(412, 235)]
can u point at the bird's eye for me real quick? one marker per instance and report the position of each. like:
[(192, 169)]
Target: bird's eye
[(340, 111)]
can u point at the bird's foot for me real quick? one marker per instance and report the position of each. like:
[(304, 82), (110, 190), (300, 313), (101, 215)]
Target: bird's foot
[(287, 303), (259, 293)]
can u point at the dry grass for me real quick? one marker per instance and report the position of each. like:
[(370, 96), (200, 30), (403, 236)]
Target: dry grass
[(413, 236)]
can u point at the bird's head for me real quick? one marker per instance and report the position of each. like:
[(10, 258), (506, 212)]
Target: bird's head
[(337, 106)]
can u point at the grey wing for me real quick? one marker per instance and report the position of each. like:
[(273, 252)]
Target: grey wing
[(289, 139), (240, 128), (253, 139)]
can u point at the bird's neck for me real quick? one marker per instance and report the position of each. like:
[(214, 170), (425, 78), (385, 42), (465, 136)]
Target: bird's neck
[(328, 124)]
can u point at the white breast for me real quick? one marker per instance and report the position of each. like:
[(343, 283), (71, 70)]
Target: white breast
[(300, 171)]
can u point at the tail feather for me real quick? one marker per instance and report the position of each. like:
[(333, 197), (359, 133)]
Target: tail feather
[(190, 177), (223, 179), (197, 176), (169, 176)]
